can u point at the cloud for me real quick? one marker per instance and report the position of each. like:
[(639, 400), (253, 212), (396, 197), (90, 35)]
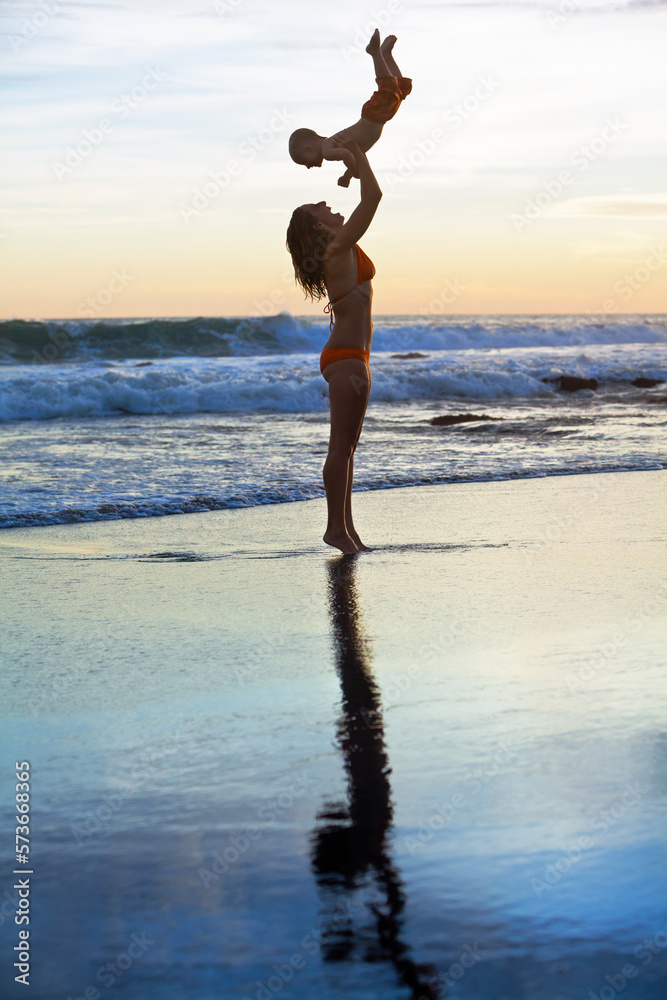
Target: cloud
[(565, 7), (640, 206), (621, 245)]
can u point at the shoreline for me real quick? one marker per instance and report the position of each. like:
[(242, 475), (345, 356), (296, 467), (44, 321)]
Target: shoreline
[(138, 514)]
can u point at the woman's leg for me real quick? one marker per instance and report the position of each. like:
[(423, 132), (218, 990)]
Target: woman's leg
[(349, 523), (351, 530), (349, 386)]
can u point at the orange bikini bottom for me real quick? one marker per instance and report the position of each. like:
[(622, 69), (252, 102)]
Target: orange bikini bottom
[(331, 354)]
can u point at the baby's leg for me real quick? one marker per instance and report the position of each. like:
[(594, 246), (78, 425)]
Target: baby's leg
[(390, 62), (374, 49), (392, 89)]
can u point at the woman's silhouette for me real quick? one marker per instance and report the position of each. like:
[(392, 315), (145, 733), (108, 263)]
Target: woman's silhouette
[(327, 261), (350, 844)]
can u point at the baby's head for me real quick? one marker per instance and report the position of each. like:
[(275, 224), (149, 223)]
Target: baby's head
[(305, 147)]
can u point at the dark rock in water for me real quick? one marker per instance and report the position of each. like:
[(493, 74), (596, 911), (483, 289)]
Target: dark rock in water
[(572, 383), (142, 364), (460, 418), (647, 383), (412, 354)]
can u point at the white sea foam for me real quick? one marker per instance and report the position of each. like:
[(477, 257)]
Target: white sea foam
[(293, 384)]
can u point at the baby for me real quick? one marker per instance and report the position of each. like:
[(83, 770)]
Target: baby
[(310, 149)]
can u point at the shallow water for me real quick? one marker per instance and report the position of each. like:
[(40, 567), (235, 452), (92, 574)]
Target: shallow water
[(127, 419), (76, 469)]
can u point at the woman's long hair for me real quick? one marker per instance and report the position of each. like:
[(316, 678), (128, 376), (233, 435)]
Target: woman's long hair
[(307, 247)]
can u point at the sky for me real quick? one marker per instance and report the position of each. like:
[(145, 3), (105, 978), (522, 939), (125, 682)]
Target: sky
[(145, 169)]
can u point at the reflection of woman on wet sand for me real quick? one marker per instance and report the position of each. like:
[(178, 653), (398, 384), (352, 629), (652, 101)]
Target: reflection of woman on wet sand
[(350, 844), (327, 261)]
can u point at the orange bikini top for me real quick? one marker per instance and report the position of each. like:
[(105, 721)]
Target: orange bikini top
[(365, 271), (365, 267)]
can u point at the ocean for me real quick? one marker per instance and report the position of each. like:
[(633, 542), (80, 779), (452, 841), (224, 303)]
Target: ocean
[(129, 418)]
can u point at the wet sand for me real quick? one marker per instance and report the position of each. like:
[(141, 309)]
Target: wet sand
[(260, 769)]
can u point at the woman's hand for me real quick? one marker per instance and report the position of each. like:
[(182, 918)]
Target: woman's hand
[(347, 142), (349, 150), (338, 138)]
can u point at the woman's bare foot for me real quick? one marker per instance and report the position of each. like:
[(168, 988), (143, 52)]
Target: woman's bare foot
[(374, 44), (340, 541), (358, 542)]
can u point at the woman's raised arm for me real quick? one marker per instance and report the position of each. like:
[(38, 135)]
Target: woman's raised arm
[(362, 216)]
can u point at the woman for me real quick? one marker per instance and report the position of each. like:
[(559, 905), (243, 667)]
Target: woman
[(327, 261)]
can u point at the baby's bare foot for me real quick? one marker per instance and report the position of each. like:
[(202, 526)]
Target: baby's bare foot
[(388, 44), (374, 44)]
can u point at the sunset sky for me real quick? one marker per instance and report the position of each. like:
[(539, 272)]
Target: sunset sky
[(525, 174)]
